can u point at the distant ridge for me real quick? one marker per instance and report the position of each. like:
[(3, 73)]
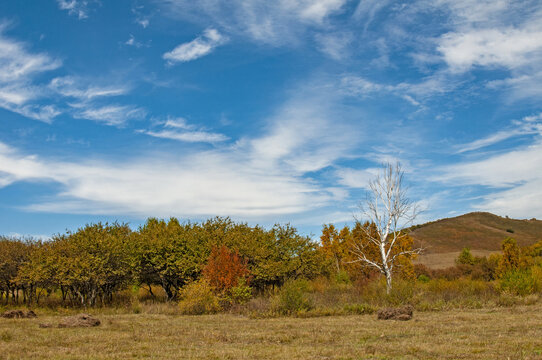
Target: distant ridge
[(477, 230)]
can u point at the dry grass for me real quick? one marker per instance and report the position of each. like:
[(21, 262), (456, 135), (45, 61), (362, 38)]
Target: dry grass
[(446, 259), (500, 333)]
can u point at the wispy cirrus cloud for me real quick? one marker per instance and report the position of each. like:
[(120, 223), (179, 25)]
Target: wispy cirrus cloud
[(335, 45), (270, 22), (82, 89), (513, 179), (529, 125), (356, 178), (180, 130), (113, 115), (89, 99), (22, 94), (18, 69), (413, 92), (187, 136), (511, 176), (200, 46), (303, 134), (263, 176)]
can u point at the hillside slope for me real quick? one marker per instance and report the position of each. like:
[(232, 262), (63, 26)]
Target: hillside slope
[(478, 230)]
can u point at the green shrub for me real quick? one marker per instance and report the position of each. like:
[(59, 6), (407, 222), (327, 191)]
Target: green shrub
[(342, 277), (518, 282), (423, 278), (358, 309), (465, 257), (241, 293), (536, 273), (293, 297), (198, 298)]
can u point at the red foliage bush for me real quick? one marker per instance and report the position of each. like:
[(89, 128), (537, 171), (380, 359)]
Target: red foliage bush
[(224, 268)]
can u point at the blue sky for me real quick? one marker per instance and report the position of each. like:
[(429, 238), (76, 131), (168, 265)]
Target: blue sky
[(265, 111)]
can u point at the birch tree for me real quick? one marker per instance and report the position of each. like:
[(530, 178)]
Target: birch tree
[(389, 209)]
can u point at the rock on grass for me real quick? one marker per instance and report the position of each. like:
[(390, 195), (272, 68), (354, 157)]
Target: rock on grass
[(400, 313)]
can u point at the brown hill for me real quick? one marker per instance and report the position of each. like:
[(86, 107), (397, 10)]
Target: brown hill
[(482, 232)]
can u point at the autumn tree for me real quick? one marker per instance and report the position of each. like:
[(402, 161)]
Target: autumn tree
[(225, 268), (273, 256), (13, 255), (96, 260), (334, 245), (389, 209), (510, 258), (170, 254)]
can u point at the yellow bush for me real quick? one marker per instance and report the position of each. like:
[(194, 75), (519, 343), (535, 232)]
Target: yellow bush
[(198, 298)]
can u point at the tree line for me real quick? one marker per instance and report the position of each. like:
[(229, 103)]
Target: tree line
[(88, 266), (91, 264)]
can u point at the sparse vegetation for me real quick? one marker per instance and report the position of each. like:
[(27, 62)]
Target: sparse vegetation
[(489, 333)]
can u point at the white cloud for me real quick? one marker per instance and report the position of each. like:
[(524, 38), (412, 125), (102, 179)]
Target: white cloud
[(178, 123), (510, 48), (304, 134), (513, 178), (529, 125), (414, 93), (143, 22), (81, 89), (188, 136), (269, 22), (356, 178), (179, 129), (200, 184), (500, 170), (40, 237), (523, 85), (367, 10), (114, 115), (468, 13), (200, 46), (335, 45), (315, 10), (132, 41), (78, 8), (258, 177), (18, 67), (43, 113)]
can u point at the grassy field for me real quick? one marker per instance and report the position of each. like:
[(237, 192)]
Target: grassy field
[(499, 333), (446, 259)]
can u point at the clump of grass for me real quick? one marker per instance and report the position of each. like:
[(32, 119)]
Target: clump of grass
[(6, 336), (359, 309)]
